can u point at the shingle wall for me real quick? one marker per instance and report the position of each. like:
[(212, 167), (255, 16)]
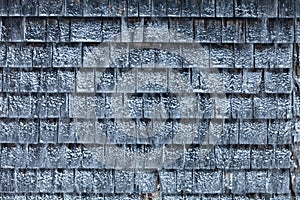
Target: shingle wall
[(194, 99)]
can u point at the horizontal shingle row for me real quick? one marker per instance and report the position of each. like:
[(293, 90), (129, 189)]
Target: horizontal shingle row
[(97, 156), (108, 181), (194, 8), (184, 30), (149, 105), (142, 80), (146, 55), (90, 131), (89, 196), (122, 131)]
